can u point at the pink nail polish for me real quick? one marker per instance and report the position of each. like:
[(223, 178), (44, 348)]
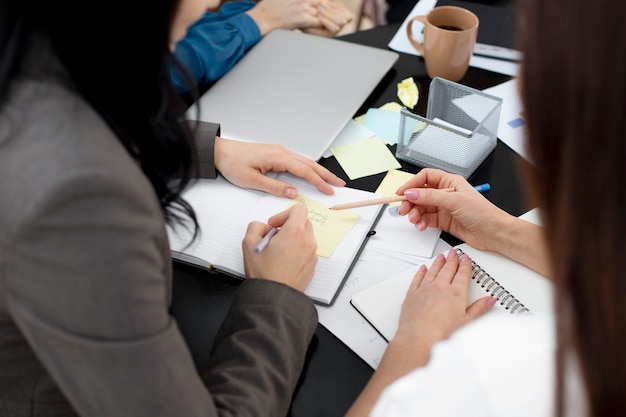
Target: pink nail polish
[(411, 193)]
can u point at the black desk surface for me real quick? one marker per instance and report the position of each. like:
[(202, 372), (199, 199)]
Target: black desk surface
[(334, 375)]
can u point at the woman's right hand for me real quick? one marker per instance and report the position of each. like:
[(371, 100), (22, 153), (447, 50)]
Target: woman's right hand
[(464, 213), (291, 254)]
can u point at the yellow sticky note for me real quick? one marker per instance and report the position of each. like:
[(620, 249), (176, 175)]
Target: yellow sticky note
[(365, 157), (329, 226), (391, 106), (392, 181)]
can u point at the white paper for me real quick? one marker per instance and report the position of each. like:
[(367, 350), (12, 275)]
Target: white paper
[(510, 131), (395, 234)]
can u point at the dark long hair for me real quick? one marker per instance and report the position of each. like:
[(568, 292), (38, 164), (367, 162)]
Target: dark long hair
[(117, 55), (574, 92)]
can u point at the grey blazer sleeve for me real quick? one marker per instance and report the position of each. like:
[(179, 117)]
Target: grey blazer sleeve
[(94, 308), (205, 134), (267, 332)]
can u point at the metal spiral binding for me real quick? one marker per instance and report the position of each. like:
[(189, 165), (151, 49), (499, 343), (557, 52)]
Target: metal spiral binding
[(493, 287)]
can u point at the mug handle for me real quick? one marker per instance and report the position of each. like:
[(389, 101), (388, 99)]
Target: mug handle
[(419, 47)]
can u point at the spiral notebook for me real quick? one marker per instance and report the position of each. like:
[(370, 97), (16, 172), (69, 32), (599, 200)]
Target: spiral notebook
[(519, 290)]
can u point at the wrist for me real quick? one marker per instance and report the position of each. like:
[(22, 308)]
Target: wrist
[(260, 19), (503, 234), (403, 354)]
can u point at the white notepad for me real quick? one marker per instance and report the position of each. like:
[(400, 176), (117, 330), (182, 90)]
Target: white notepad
[(225, 210), (519, 289)]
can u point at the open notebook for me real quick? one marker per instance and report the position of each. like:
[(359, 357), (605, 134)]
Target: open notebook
[(225, 210), (519, 290)]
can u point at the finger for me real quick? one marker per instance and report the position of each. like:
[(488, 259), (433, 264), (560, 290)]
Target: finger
[(338, 15), (298, 213), (339, 9), (279, 219), (298, 221), (326, 175), (314, 173), (330, 24), (254, 234), (430, 197), (418, 278), (434, 269), (449, 268), (480, 307), (275, 187), (463, 274), (429, 176), (427, 220)]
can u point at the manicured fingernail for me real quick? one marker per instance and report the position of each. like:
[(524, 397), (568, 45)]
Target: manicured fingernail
[(465, 258), (451, 253), (440, 257), (422, 268), (411, 193), (491, 301), (291, 192)]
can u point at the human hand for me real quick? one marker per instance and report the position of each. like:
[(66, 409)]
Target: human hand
[(285, 14), (436, 302), (245, 164), (464, 213), (290, 256), (333, 15), (319, 17)]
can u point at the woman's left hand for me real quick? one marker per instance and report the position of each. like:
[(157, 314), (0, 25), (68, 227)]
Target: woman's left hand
[(245, 165)]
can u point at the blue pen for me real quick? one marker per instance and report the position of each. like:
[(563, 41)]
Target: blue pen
[(481, 188)]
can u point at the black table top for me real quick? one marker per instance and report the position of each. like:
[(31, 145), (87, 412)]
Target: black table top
[(334, 375)]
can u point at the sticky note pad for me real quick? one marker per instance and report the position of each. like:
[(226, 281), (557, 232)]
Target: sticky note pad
[(383, 123), (391, 106), (366, 157), (392, 181), (329, 226)]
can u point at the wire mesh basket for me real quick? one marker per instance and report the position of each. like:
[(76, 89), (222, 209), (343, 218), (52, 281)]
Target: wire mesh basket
[(458, 133)]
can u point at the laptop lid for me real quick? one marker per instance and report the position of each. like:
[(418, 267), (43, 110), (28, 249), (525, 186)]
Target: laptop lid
[(294, 89)]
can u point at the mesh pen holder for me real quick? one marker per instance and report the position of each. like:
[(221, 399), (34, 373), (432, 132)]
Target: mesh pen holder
[(458, 133)]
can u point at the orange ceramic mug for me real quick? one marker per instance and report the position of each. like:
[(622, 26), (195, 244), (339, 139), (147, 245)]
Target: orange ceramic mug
[(449, 38)]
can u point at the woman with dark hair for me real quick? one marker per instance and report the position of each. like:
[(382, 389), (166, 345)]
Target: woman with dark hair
[(570, 362), (94, 155)]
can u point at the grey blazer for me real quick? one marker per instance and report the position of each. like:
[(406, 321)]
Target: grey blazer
[(85, 281)]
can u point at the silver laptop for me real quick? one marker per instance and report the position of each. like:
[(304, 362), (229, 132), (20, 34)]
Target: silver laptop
[(294, 89)]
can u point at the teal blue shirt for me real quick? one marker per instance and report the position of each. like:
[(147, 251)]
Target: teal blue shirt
[(215, 43)]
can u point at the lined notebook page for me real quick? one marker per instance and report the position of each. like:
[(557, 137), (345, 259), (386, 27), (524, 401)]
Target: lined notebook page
[(225, 210)]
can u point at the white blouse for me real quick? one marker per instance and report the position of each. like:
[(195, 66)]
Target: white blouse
[(495, 366)]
